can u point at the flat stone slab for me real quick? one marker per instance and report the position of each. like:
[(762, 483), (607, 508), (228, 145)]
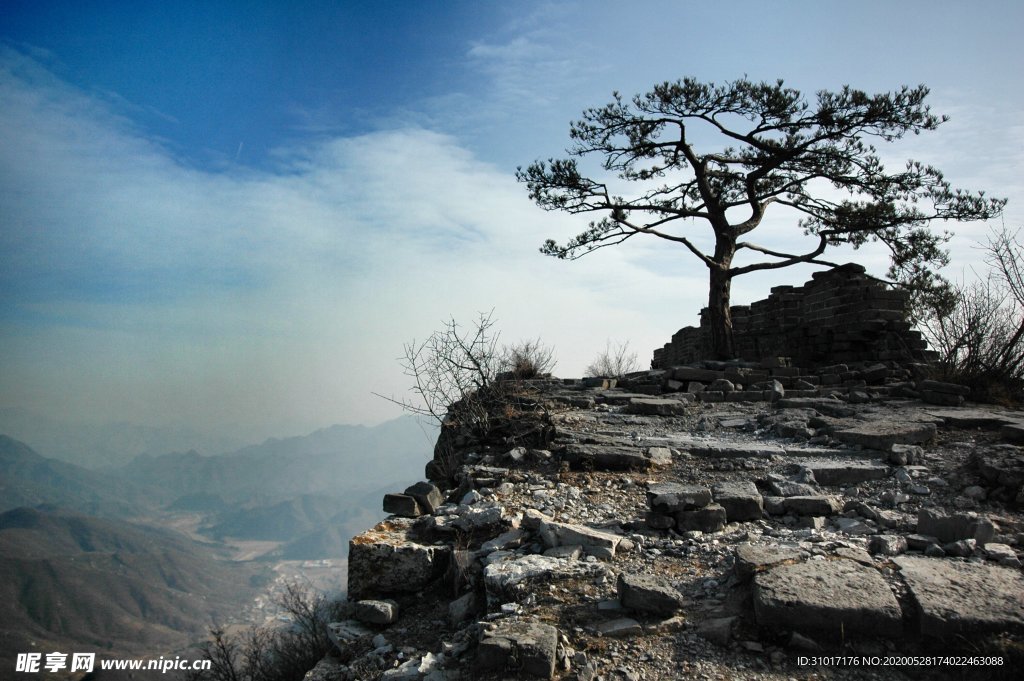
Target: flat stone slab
[(656, 406), (975, 418), (594, 542), (610, 458), (833, 473), (671, 497), (725, 449), (882, 435), (959, 598), (834, 598), (752, 559), (820, 505)]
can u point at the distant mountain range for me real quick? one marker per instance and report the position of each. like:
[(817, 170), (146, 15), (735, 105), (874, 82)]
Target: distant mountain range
[(28, 479), (75, 571), (104, 445), (106, 585), (340, 461)]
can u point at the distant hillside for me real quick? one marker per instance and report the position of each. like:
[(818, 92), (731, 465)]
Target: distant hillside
[(28, 479), (340, 460), (97, 446), (108, 585)]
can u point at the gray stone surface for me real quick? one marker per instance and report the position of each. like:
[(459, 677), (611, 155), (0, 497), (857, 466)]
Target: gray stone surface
[(724, 449), (554, 533), (672, 497), (813, 506), (951, 528), (647, 593), (375, 612), (610, 458), (427, 495), (833, 598), (834, 473), (654, 406), (383, 561), (887, 544), (402, 505), (711, 518), (881, 435), (957, 598), (529, 648), (751, 559), (620, 628), (741, 500), (506, 579)]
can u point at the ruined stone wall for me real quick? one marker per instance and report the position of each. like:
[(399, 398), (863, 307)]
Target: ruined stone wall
[(841, 315)]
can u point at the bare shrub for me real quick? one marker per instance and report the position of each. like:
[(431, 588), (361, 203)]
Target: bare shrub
[(616, 361), (980, 336), (451, 370), (529, 359), (274, 654)]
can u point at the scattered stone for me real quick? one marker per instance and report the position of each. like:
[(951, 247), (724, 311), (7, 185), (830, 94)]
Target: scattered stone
[(934, 551), (832, 598), (1002, 554), (813, 506), (722, 385), (887, 544), (950, 528), (717, 630), (711, 518), (963, 598), (853, 526), (619, 628), (963, 548), (788, 488), (647, 593), (402, 505), (376, 612), (741, 500), (427, 496), (529, 648), (462, 609), (594, 542)]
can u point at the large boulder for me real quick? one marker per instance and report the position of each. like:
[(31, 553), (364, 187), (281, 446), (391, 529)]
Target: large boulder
[(384, 561)]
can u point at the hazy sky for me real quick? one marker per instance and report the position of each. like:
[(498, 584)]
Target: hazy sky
[(232, 215)]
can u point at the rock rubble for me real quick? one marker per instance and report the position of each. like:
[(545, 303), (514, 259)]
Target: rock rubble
[(621, 537)]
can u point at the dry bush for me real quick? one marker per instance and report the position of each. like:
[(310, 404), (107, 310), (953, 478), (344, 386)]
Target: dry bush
[(980, 336), (274, 654), (529, 359), (616, 361)]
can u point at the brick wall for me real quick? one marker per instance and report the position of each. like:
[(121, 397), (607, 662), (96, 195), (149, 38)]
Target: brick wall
[(841, 315)]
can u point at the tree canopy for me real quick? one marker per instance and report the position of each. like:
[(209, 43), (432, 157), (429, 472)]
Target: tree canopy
[(782, 148)]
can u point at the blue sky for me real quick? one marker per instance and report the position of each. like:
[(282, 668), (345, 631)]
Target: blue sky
[(231, 215)]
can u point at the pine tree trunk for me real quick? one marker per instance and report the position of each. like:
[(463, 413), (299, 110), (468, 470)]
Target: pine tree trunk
[(719, 316)]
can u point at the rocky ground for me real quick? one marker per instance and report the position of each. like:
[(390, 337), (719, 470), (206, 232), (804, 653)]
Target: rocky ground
[(850, 533)]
